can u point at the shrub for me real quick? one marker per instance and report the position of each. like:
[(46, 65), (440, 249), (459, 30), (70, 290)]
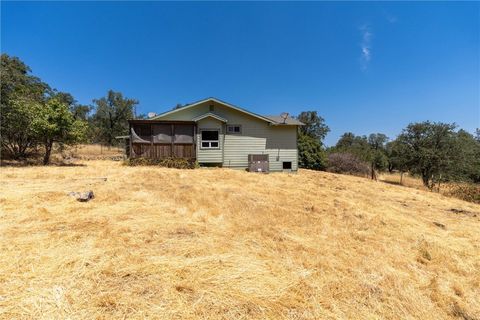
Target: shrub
[(465, 191), (347, 163), (310, 153), (177, 163)]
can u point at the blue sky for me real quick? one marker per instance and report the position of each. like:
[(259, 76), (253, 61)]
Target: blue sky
[(365, 67)]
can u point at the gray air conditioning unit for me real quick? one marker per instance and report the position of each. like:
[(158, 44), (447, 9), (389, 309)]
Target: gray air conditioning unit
[(258, 163)]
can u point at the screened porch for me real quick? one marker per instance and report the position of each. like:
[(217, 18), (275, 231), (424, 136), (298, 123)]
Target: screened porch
[(161, 139)]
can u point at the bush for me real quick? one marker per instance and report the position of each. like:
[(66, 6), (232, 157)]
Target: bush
[(310, 153), (465, 191), (347, 163), (177, 163)]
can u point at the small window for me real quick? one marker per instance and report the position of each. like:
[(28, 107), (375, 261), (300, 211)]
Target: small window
[(234, 128), (209, 144), (287, 165), (210, 139)]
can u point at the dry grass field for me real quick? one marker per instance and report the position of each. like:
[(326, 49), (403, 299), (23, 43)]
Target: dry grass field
[(464, 191), (65, 157), (161, 243), (94, 151)]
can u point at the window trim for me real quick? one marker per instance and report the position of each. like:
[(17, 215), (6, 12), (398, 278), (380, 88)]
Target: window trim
[(234, 125), (209, 141)]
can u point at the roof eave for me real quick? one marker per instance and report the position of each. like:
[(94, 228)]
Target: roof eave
[(287, 124)]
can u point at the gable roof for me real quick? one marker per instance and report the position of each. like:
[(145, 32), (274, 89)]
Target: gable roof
[(274, 120), (211, 115), (188, 106)]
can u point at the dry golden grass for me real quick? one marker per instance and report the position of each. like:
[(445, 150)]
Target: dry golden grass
[(69, 153), (94, 151), (463, 191), (406, 180), (161, 243)]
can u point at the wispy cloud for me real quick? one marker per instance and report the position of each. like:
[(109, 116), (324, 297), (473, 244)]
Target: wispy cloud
[(366, 46), (390, 17)]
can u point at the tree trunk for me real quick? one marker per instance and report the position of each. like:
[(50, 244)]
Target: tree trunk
[(426, 179), (390, 168), (439, 181), (48, 151), (373, 175)]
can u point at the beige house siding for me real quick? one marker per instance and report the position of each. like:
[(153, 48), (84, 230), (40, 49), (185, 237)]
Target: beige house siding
[(210, 155), (188, 114), (279, 142), (256, 137)]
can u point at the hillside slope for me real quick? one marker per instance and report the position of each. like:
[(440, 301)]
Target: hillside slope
[(217, 243)]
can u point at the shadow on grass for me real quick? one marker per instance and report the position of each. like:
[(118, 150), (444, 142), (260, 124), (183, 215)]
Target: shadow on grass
[(396, 183)]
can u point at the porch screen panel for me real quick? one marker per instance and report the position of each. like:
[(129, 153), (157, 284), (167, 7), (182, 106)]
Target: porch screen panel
[(141, 133), (183, 133), (162, 133)]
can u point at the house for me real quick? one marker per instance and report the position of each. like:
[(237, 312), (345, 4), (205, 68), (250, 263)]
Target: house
[(215, 132)]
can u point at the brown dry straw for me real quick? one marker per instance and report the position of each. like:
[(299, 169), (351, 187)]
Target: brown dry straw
[(159, 243)]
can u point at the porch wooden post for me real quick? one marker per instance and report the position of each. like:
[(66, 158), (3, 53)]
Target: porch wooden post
[(152, 155), (172, 153), (130, 141)]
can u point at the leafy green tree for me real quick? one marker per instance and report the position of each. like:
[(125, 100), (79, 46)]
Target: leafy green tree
[(377, 153), (20, 93), (79, 111), (315, 125), (63, 97), (430, 150), (347, 140), (111, 116), (17, 82), (54, 123), (389, 153), (395, 152), (467, 167), (311, 154), (371, 150), (356, 145), (18, 140)]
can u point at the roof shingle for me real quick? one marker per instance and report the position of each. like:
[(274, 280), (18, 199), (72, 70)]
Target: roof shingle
[(289, 121)]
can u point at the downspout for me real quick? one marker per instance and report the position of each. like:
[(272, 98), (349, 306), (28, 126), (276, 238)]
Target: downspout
[(130, 140), (224, 129)]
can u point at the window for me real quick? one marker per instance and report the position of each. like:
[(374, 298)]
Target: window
[(287, 165), (210, 139), (234, 128)]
